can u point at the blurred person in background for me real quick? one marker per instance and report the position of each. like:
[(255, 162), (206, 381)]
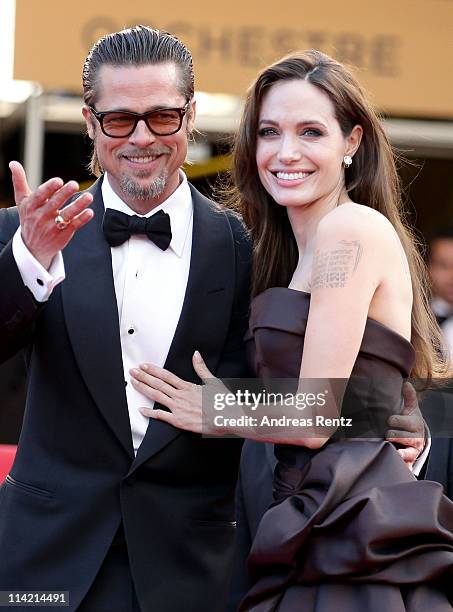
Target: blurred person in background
[(441, 272)]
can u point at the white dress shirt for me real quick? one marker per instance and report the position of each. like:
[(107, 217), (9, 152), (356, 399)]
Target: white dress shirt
[(447, 332), (442, 308), (40, 281), (150, 285)]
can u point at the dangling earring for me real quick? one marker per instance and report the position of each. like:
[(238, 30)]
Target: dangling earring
[(347, 161)]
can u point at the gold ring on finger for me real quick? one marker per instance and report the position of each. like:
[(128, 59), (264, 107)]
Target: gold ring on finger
[(60, 221)]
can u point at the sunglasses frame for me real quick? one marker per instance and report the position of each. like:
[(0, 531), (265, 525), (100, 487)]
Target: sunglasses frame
[(100, 116)]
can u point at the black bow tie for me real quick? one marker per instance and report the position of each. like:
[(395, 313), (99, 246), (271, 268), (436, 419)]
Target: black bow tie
[(119, 227)]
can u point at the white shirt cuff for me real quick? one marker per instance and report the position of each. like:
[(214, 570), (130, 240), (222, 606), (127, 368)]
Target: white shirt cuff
[(40, 281), (420, 461)]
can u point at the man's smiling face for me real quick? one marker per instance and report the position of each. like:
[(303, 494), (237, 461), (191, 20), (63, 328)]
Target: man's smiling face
[(143, 168)]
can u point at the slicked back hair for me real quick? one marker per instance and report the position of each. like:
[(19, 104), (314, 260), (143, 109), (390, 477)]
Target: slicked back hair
[(138, 46)]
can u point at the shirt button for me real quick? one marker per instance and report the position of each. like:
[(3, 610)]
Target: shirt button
[(131, 330), (40, 281)]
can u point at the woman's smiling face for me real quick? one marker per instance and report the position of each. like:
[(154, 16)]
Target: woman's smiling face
[(300, 145)]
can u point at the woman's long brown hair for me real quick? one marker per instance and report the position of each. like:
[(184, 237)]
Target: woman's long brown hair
[(372, 180)]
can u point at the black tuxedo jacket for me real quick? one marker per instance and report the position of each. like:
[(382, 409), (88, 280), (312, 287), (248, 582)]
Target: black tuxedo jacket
[(253, 498), (75, 477), (437, 409)]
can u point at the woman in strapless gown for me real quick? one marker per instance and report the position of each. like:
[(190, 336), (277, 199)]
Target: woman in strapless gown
[(339, 293)]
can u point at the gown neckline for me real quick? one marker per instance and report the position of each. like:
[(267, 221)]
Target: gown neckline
[(307, 294)]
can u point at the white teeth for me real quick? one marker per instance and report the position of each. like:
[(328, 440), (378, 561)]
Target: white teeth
[(142, 160), (292, 176)]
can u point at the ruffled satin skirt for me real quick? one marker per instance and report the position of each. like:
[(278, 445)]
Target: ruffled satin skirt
[(353, 531)]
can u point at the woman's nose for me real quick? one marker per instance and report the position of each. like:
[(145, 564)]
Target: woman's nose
[(290, 150)]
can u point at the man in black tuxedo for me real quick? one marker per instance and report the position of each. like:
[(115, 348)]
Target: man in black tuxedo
[(141, 267), (438, 405)]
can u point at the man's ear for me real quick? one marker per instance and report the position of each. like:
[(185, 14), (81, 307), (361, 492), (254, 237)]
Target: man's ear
[(191, 113), (91, 128)]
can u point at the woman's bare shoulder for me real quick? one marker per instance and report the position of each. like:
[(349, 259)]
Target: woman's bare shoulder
[(351, 220)]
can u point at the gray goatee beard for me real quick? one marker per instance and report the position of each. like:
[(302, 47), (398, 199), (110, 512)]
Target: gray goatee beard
[(137, 191)]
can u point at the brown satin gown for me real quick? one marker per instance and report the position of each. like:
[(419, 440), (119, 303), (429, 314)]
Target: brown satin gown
[(351, 530)]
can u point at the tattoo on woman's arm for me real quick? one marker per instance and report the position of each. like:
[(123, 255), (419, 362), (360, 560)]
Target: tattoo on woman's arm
[(335, 267)]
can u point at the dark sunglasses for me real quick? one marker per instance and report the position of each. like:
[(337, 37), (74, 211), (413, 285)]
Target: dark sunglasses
[(161, 122)]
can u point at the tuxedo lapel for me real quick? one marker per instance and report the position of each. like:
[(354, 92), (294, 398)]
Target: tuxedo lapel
[(91, 314), (206, 310)]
